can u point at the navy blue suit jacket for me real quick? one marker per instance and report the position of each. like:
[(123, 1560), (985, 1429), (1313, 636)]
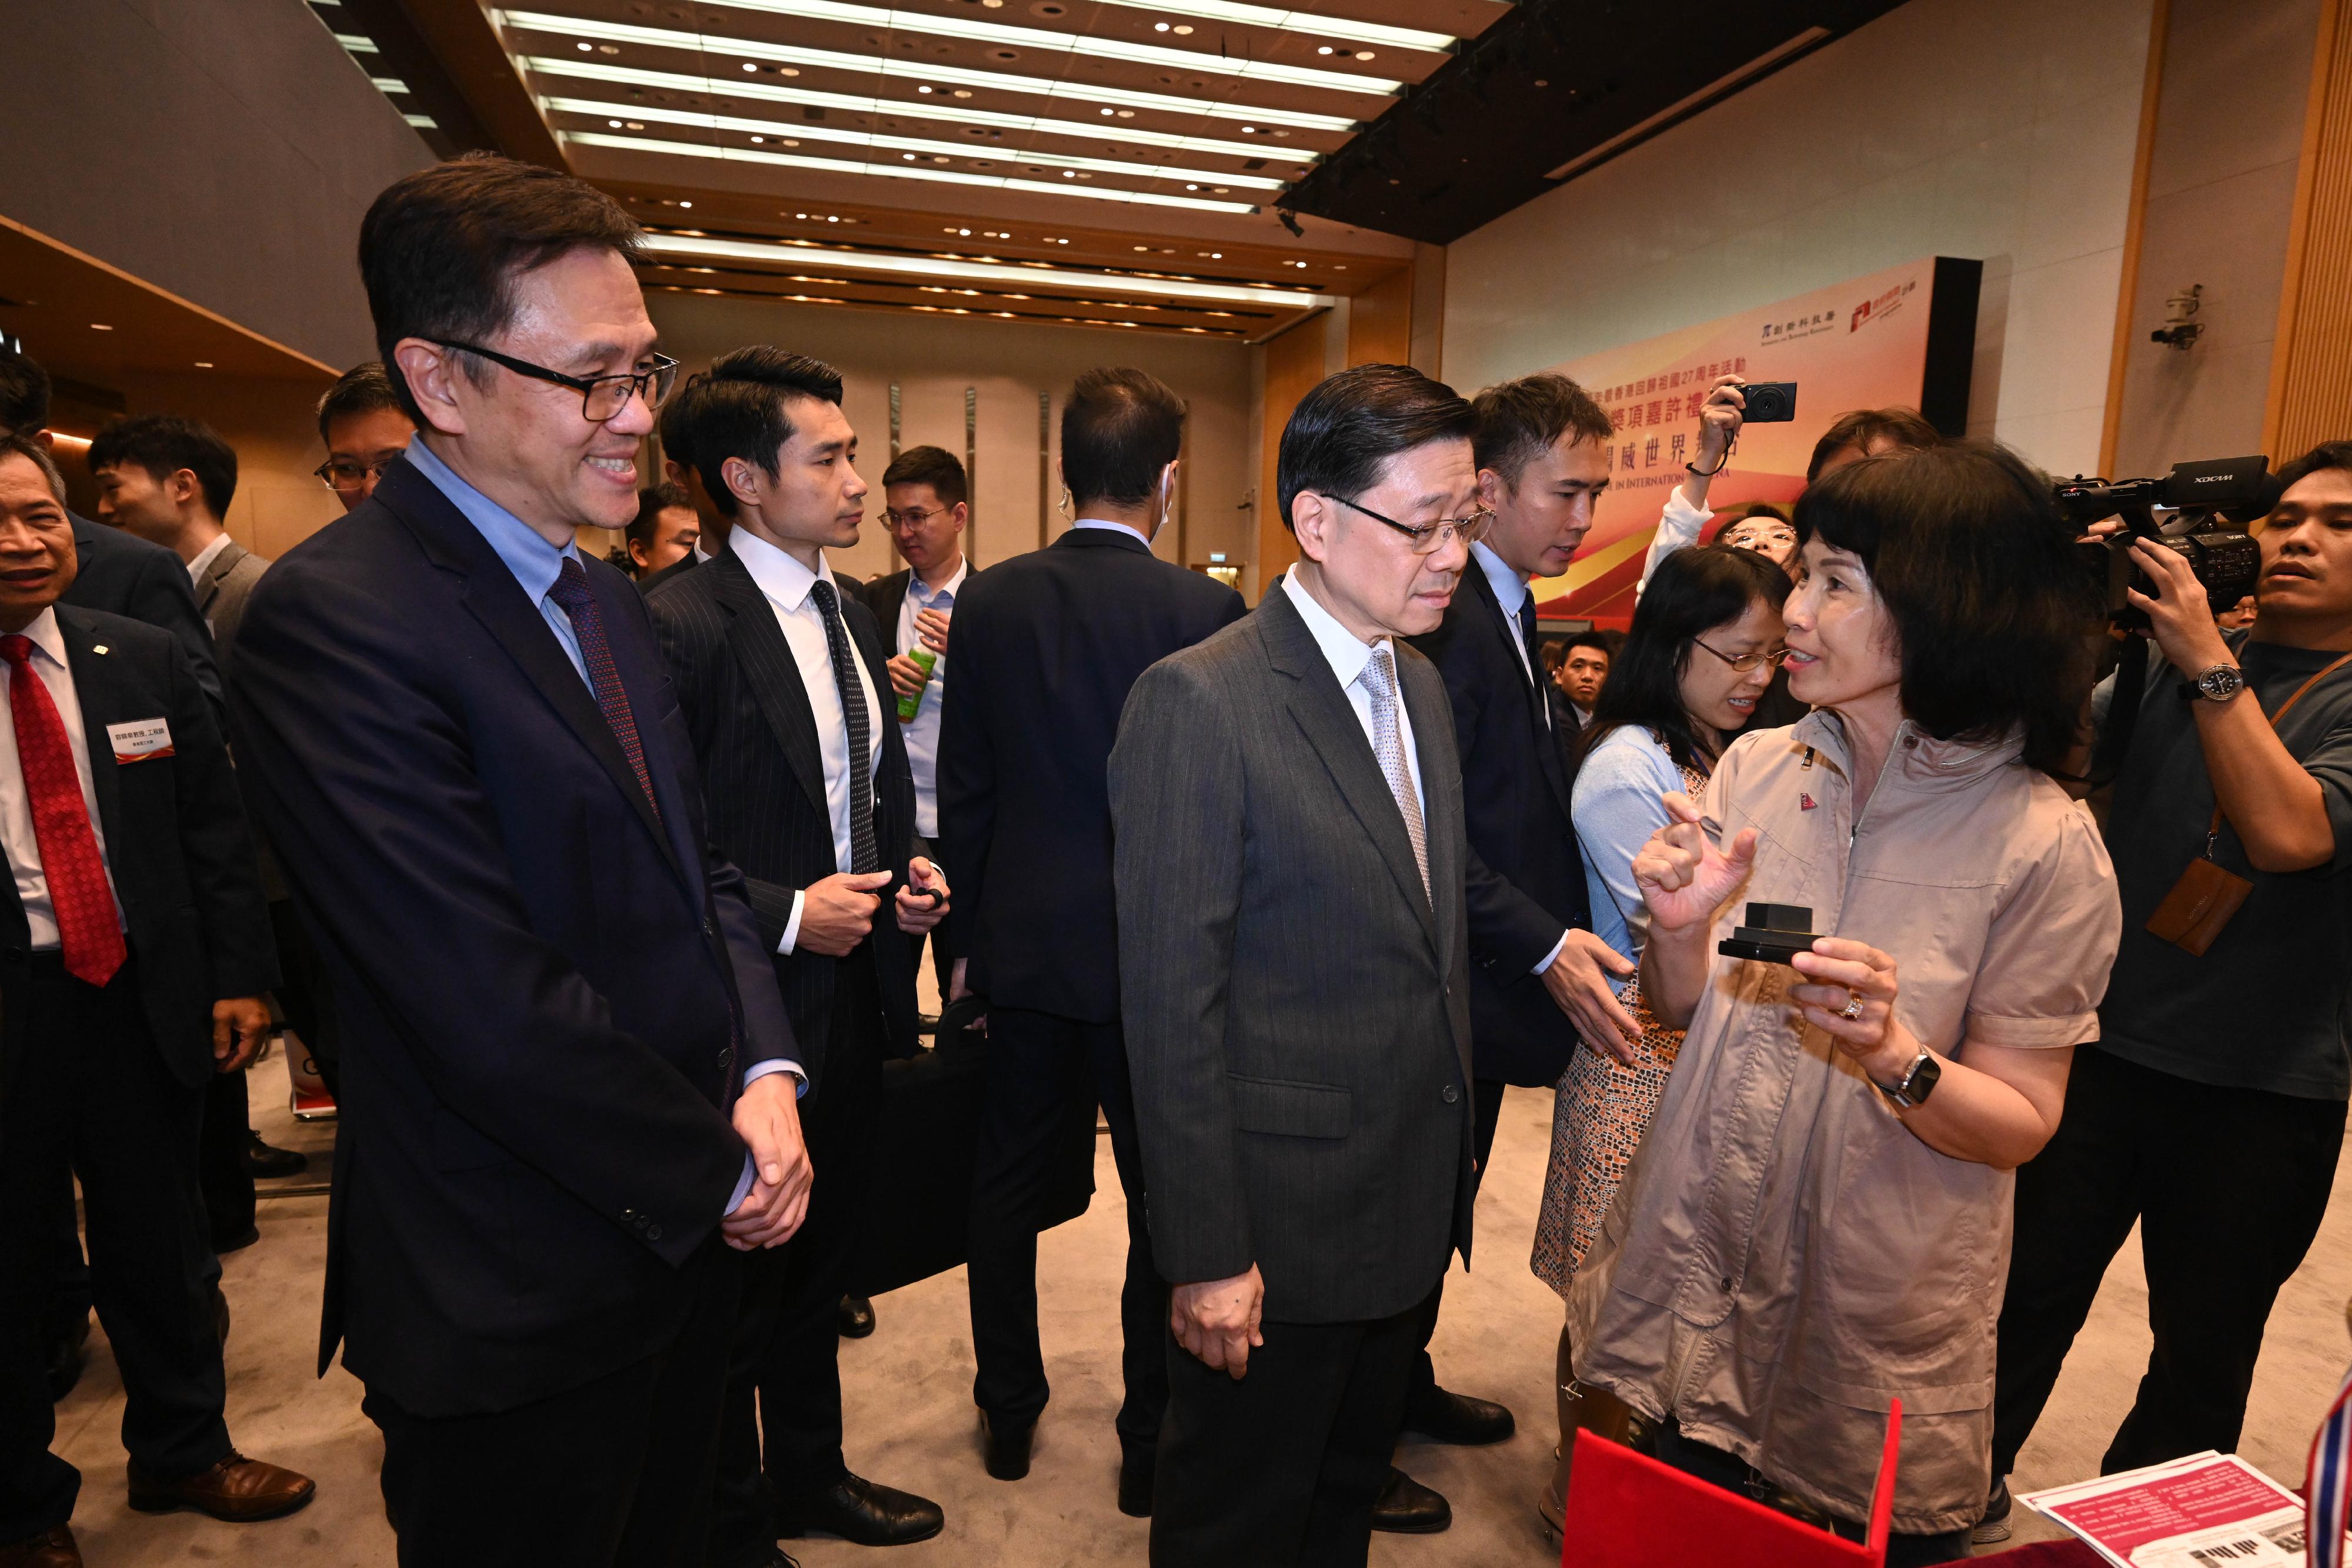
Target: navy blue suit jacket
[(1526, 878), (549, 989)]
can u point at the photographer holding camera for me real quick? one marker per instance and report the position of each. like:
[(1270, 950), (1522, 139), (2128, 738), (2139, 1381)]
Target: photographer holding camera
[(2212, 1107)]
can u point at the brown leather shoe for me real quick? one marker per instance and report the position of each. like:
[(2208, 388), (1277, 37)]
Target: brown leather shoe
[(54, 1550), (238, 1489)]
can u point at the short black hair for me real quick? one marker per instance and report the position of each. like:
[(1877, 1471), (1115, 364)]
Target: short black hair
[(1692, 592), (652, 502), (440, 249), (1121, 427), (932, 465), (738, 412), (1520, 420), (1589, 638), (2328, 454), (674, 421), (363, 388), (1351, 424), (20, 443), (163, 445), (1978, 569), (1899, 429), (24, 393)]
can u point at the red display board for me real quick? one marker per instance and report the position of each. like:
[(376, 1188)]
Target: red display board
[(1904, 336)]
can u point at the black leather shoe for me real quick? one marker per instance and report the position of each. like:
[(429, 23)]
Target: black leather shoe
[(1005, 1446), (1136, 1469), (1444, 1417), (66, 1359), (267, 1163), (857, 1317), (1405, 1507), (861, 1513)]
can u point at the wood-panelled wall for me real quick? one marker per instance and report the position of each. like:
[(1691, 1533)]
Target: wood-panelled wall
[(2311, 369)]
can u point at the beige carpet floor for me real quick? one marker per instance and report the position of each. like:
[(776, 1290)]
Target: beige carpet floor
[(909, 1388)]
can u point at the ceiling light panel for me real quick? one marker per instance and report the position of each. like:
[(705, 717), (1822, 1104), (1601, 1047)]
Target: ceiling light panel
[(1047, 40), (569, 28), (959, 150), (1282, 19), (1033, 274), (898, 171), (960, 114)]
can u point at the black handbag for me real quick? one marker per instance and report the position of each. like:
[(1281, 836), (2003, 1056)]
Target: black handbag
[(926, 1138)]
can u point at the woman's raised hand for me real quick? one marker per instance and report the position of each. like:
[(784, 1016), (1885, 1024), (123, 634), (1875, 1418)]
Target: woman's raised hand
[(1684, 877)]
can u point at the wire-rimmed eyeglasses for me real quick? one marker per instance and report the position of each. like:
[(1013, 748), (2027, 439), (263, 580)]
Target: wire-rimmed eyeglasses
[(1428, 538)]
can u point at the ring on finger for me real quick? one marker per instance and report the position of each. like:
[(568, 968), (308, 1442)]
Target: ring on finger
[(1853, 1008)]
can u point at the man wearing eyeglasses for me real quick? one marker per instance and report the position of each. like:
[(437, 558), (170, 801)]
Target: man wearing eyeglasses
[(364, 429), (1294, 974), (569, 1082)]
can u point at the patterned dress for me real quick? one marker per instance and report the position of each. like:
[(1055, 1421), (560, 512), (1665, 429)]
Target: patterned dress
[(1602, 1108)]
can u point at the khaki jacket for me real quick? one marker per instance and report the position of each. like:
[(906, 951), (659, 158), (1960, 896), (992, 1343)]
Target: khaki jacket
[(1785, 1258)]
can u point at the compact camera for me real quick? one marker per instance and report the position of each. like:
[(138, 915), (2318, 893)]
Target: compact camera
[(1768, 402), (2209, 503)]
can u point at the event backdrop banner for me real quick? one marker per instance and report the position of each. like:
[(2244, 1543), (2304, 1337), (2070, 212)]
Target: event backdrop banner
[(1907, 336)]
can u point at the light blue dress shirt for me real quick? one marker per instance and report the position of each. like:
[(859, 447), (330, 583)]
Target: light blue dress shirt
[(922, 732), (1620, 800), (536, 564)]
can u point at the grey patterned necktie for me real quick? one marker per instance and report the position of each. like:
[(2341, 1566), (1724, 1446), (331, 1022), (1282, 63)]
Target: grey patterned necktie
[(864, 855), (1378, 681)]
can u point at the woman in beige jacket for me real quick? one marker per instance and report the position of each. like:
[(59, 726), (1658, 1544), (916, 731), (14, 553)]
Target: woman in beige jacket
[(1819, 1222)]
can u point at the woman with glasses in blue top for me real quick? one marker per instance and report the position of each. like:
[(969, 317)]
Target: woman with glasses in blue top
[(1705, 639)]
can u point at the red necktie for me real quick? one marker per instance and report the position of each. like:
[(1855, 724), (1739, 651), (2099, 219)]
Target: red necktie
[(89, 928)]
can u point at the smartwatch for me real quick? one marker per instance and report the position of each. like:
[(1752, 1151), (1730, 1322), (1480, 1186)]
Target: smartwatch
[(2217, 682), (1917, 1083)]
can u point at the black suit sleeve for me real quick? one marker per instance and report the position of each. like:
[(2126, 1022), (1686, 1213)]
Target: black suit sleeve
[(1507, 929), (965, 777), (380, 814), (162, 595), (216, 841)]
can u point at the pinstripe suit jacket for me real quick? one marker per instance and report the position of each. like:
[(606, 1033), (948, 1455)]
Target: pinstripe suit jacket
[(1296, 1012), (755, 743)]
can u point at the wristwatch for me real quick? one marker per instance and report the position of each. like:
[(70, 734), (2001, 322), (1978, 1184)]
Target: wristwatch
[(1917, 1084), (2216, 683)]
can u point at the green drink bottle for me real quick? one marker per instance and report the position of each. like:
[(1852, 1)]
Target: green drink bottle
[(924, 660)]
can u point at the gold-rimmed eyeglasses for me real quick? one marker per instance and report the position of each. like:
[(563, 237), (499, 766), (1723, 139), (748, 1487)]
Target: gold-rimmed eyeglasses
[(1428, 538), (1743, 663), (350, 478)]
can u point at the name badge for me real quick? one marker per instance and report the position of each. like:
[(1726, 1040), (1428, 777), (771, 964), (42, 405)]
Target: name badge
[(140, 740)]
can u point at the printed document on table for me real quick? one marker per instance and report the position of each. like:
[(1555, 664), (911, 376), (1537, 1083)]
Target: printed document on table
[(2208, 1510)]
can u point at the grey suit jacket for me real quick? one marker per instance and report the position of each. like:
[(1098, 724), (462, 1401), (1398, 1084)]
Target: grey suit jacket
[(222, 590), (1296, 1012)]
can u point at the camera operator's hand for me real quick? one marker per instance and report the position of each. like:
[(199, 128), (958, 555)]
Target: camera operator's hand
[(1718, 426), (2179, 616)]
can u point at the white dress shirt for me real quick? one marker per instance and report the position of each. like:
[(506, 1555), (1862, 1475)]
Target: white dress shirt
[(1135, 534), (48, 661), (1350, 658), (922, 732), (786, 583), (205, 557)]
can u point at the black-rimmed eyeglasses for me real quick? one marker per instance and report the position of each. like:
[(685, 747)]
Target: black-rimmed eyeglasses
[(1428, 538), (600, 397), (1743, 663)]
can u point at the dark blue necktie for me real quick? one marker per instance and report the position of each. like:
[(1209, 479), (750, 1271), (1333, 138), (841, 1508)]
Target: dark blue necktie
[(572, 592), (862, 855)]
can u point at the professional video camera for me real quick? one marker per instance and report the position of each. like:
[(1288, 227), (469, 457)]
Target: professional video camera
[(2210, 503)]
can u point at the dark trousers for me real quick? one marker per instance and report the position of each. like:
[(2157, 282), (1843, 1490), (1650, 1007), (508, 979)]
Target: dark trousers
[(1730, 1473), (87, 1088), (303, 996), (1486, 1115), (1046, 1074), (220, 1141), (613, 1474), (70, 1291), (2220, 1234), (1283, 1466), (942, 961), (780, 1433)]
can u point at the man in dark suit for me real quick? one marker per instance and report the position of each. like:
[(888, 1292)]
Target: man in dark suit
[(1044, 648), (779, 678), (1295, 956), (133, 950), (122, 575), (567, 1071), (1537, 973)]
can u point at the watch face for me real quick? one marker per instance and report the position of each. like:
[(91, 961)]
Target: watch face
[(1924, 1075), (2221, 681)]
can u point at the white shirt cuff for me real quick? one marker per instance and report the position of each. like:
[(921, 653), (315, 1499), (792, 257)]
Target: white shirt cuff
[(1552, 958), (760, 1070), (791, 932)]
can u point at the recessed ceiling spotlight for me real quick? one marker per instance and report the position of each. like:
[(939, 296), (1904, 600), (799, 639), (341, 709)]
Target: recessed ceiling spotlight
[(1249, 130), (685, 203), (750, 67), (587, 48), (1363, 53), (964, 231), (838, 220), (1216, 255), (909, 157), (1108, 113), (1190, 187), (788, 70), (616, 125), (800, 215), (1181, 30), (1158, 26), (924, 89), (964, 92), (99, 327), (1069, 173), (1127, 114), (756, 141), (1323, 49), (203, 364)]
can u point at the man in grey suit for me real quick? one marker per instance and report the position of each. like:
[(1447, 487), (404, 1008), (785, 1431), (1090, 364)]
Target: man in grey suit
[(1293, 968), (170, 482)]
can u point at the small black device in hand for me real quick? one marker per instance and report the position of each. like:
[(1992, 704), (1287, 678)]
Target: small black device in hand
[(1774, 934), (1768, 402)]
